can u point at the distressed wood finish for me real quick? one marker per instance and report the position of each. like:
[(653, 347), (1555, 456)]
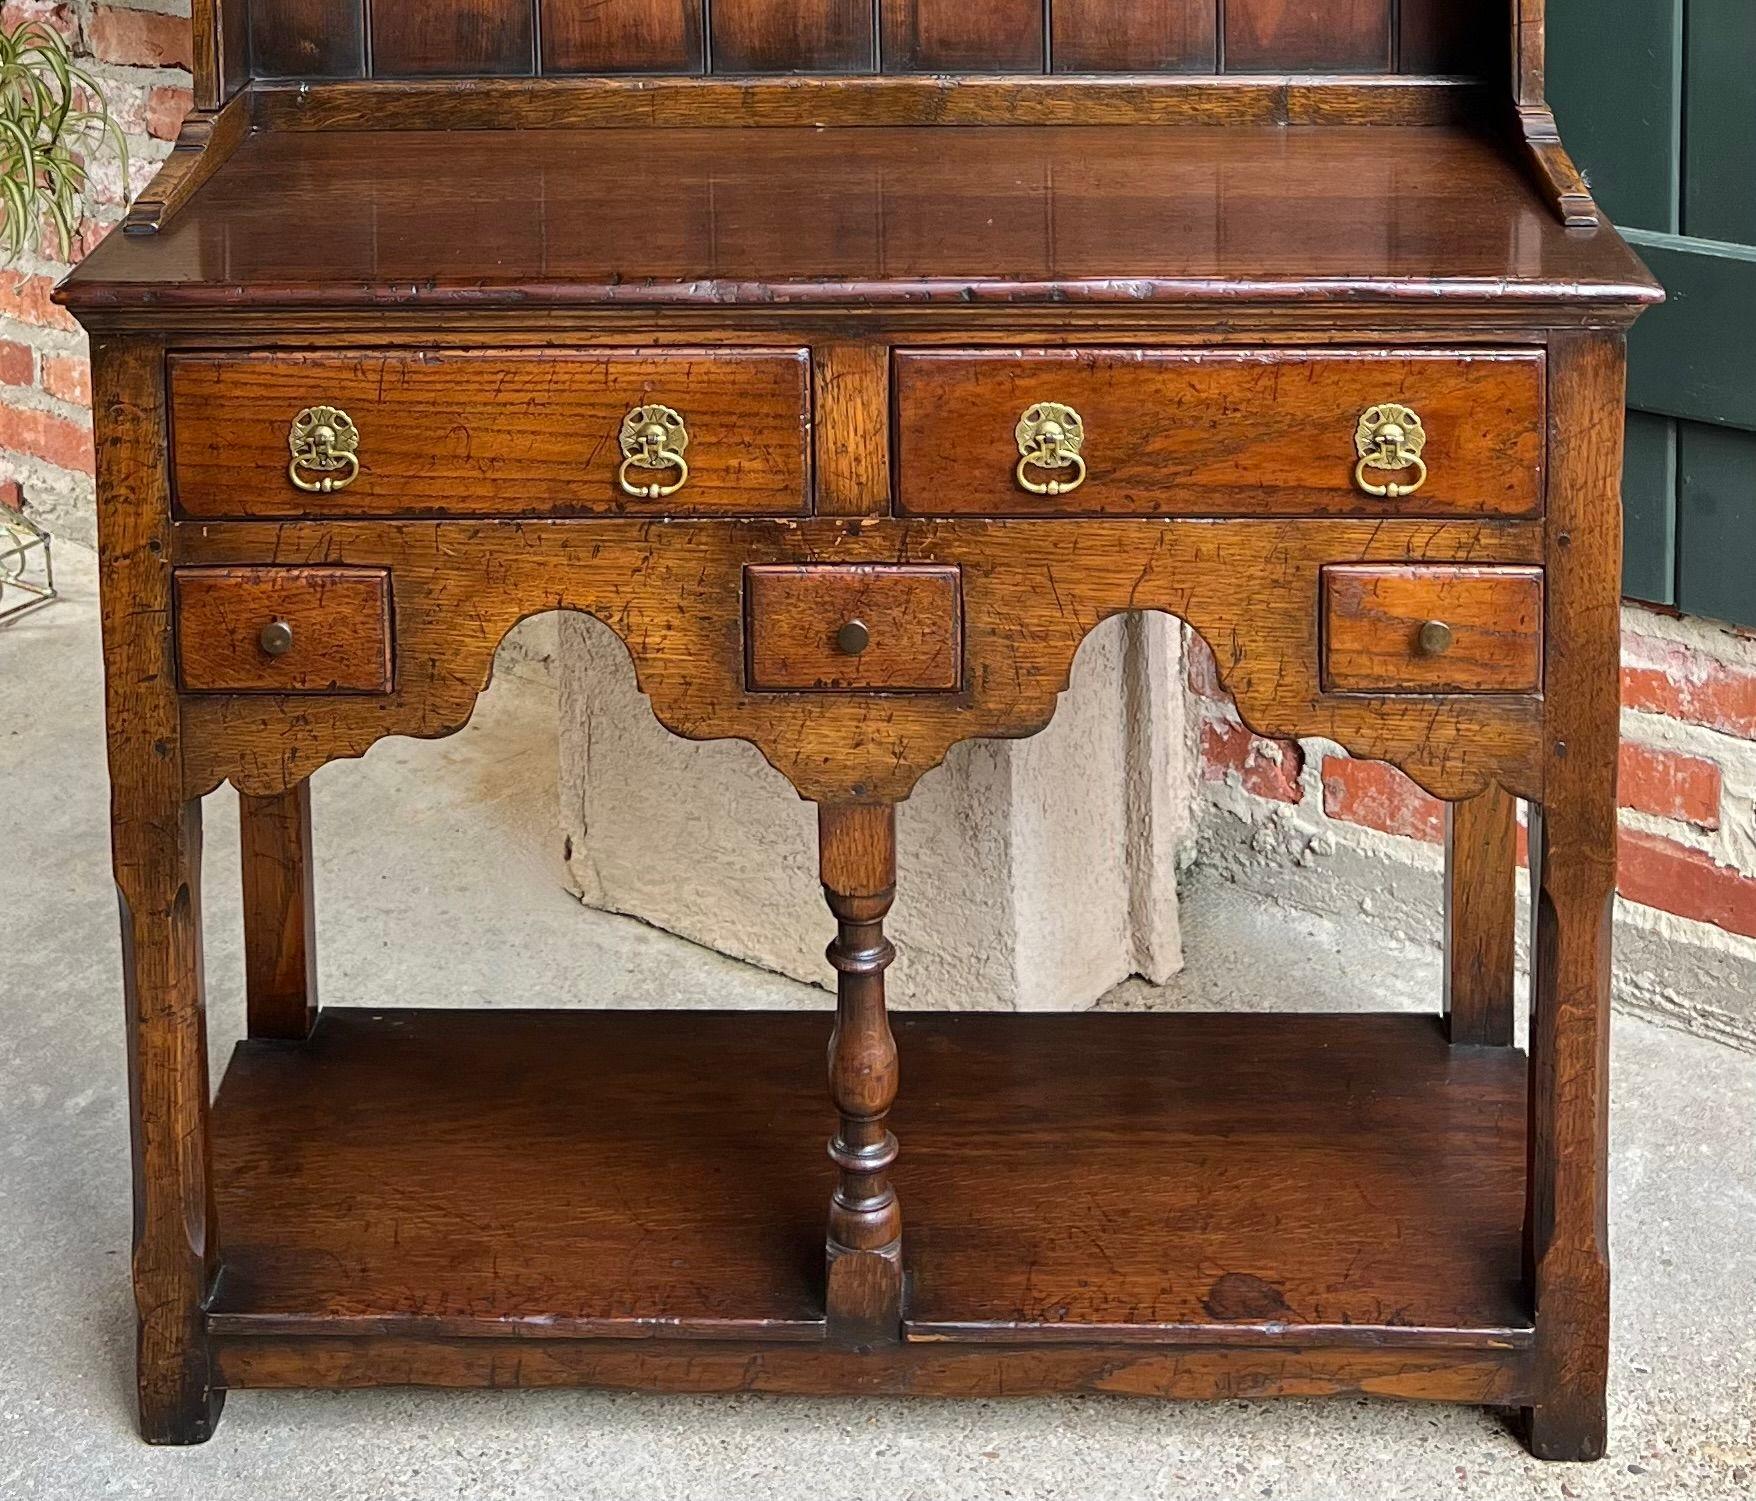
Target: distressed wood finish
[(851, 240), (280, 913), (1411, 629), (1481, 918), (835, 629), (336, 630), (491, 432), (1573, 867), (1216, 432), (1032, 590), (156, 846)]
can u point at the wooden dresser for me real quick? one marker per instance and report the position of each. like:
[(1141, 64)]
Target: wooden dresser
[(851, 360)]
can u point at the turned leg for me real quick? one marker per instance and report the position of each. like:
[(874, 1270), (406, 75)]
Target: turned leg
[(156, 842), (857, 852), (280, 955), (1573, 856), (1481, 913)]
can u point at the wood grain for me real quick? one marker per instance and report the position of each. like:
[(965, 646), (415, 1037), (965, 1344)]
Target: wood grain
[(622, 36), (307, 38), (1573, 854), (280, 913), (1216, 432), (412, 38), (953, 36), (204, 141), (1128, 36), (792, 36), (850, 383), (339, 619), (1481, 918), (911, 617), (1031, 592), (1373, 618), (156, 848), (492, 432), (1335, 35)]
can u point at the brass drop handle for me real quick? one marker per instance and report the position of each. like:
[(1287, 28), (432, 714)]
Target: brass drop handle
[(325, 442), (1050, 437), (653, 439), (1435, 638), (277, 638), (853, 638), (1389, 440)]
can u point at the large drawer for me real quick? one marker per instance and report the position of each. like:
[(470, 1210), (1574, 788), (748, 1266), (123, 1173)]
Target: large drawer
[(401, 433), (1130, 432)]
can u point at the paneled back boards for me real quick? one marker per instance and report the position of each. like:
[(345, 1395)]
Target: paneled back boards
[(436, 38)]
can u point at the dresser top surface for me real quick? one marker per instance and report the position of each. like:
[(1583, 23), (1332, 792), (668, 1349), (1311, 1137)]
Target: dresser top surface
[(857, 217)]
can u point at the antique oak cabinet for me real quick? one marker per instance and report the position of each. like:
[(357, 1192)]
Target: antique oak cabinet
[(851, 360)]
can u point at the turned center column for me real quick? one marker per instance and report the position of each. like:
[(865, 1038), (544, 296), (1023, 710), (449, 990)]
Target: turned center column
[(857, 858)]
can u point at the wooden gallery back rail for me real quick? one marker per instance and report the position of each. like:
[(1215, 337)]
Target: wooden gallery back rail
[(851, 398)]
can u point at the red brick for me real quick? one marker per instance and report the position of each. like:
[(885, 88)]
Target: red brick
[(1380, 797), (68, 377), (1266, 768), (1667, 784), (165, 108), (1660, 873), (18, 365), (26, 298), (1661, 677), (140, 38), (44, 12), (46, 436), (11, 495)]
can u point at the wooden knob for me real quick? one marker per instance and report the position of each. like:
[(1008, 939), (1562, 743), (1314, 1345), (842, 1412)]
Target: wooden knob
[(1435, 638), (853, 638), (276, 638)]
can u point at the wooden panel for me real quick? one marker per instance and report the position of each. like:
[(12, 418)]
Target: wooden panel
[(1373, 620), (492, 432), (339, 620), (1481, 918), (791, 36), (307, 38), (905, 628), (1452, 36), (417, 38), (1123, 36), (280, 913), (974, 36), (622, 36), (1216, 433), (1291, 35)]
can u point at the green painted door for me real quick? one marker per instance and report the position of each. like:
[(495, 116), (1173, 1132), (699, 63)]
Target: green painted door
[(1657, 103)]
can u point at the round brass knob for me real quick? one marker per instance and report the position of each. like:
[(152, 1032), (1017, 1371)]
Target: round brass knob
[(1435, 638), (853, 638), (276, 638)]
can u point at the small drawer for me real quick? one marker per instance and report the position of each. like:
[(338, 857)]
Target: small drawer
[(397, 433), (1145, 432), (857, 627), (283, 630), (1395, 629)]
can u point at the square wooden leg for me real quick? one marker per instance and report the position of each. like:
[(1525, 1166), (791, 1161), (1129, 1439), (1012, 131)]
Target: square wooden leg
[(280, 951), (1481, 915)]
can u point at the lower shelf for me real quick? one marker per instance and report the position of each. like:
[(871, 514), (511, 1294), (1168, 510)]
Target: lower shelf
[(1231, 1203)]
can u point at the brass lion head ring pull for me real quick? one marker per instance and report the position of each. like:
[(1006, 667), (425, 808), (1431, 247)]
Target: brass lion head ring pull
[(1389, 440), (653, 439), (325, 443), (1050, 437)]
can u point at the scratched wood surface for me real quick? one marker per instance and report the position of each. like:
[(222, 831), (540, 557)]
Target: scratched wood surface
[(337, 624), (1031, 592)]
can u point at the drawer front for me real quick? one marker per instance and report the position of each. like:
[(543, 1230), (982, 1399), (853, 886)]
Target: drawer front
[(1432, 629), (283, 630), (1168, 433), (492, 433), (840, 629)]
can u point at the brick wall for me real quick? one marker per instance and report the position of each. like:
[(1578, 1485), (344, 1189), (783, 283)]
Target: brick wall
[(1688, 782), (140, 56)]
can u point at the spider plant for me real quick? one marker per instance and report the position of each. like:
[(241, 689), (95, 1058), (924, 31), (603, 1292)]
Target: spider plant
[(53, 118)]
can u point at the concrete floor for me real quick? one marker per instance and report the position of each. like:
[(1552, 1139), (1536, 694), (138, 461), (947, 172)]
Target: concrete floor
[(440, 883)]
